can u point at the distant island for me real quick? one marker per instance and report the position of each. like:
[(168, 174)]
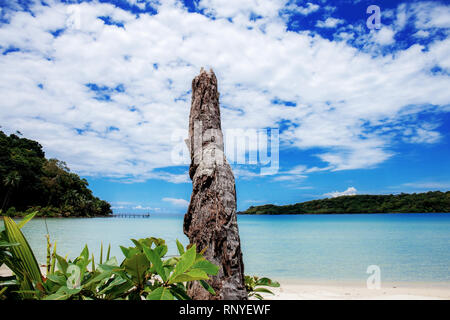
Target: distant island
[(30, 182), (428, 202)]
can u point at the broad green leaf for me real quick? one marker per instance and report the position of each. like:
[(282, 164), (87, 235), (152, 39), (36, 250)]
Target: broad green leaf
[(180, 293), (109, 266), (161, 293), (206, 266), (98, 278), (62, 264), (124, 251), (117, 281), (119, 290), (136, 266), (186, 261), (155, 259), (63, 293), (161, 250), (59, 279), (208, 287), (194, 274), (171, 262), (137, 244), (129, 252)]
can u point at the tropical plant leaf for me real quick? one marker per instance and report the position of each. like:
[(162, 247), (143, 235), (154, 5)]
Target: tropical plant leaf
[(267, 282), (263, 290), (208, 287), (186, 261), (25, 220), (161, 250), (179, 292), (155, 259), (116, 282), (59, 279), (62, 264), (161, 293), (194, 274), (63, 293), (206, 266), (180, 247), (136, 266), (27, 263)]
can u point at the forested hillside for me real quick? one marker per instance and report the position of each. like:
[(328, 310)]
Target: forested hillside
[(416, 202), (29, 181)]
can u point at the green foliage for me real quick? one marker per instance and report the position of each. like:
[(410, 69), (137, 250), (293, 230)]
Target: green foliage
[(144, 273), (256, 285), (30, 182), (19, 257), (417, 202)]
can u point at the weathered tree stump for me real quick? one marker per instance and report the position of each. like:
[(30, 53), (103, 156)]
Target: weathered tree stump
[(210, 221)]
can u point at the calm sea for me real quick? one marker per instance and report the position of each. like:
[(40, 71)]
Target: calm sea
[(406, 247)]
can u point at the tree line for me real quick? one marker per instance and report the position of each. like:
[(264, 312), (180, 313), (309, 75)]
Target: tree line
[(433, 201), (31, 182)]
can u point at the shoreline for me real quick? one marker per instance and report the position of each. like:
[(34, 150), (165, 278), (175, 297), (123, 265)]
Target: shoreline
[(296, 289), (341, 213)]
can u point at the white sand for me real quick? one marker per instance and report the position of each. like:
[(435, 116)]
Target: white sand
[(297, 290), (329, 290)]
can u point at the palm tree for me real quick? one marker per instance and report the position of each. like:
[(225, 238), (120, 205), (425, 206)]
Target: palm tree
[(11, 181)]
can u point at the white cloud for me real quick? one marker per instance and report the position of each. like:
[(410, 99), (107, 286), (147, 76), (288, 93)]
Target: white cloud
[(351, 191), (340, 93), (140, 207), (177, 202), (443, 186), (384, 36), (309, 8), (431, 15), (422, 34), (329, 23)]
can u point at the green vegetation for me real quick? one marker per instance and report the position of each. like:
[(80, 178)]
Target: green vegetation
[(255, 286), (145, 273), (29, 182), (402, 203)]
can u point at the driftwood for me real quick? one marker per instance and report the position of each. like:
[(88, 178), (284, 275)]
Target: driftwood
[(210, 221)]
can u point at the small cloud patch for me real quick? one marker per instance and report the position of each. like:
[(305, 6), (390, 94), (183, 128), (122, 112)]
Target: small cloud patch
[(351, 191)]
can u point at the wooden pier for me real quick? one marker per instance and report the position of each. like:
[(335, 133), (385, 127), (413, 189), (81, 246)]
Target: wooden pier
[(130, 215)]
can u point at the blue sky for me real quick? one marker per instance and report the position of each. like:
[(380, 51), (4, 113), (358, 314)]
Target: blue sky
[(105, 86)]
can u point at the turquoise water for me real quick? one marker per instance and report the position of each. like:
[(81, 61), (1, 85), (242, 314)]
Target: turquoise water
[(406, 247)]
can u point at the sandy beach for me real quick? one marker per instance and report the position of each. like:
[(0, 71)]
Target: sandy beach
[(328, 290), (299, 290)]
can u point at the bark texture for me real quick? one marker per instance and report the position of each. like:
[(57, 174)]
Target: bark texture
[(210, 221)]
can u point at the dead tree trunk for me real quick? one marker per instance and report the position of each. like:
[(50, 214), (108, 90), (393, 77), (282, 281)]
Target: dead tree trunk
[(210, 221)]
